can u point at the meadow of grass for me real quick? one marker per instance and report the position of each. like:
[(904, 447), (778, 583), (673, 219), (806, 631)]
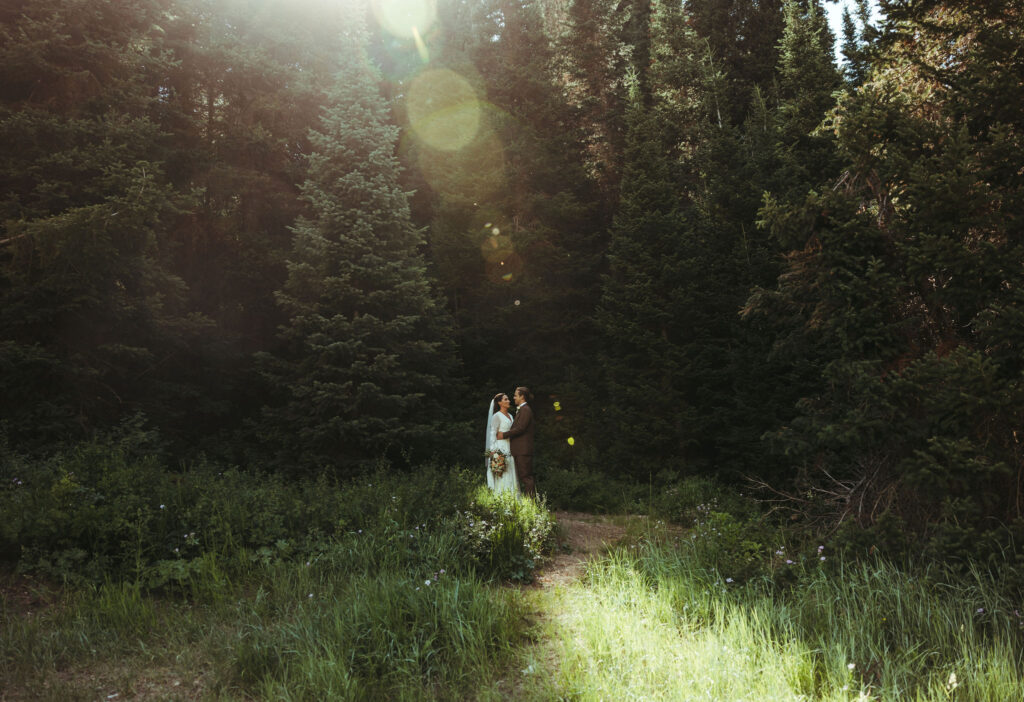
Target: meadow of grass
[(136, 582), (225, 585), (657, 620)]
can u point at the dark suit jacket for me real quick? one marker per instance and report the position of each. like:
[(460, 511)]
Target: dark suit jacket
[(520, 434)]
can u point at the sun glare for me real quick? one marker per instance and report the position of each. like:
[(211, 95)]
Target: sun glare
[(407, 19)]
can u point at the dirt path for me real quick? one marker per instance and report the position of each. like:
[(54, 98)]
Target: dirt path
[(583, 537)]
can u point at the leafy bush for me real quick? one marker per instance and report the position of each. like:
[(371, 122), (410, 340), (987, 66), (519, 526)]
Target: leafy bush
[(506, 535), (110, 508), (684, 500), (585, 490)]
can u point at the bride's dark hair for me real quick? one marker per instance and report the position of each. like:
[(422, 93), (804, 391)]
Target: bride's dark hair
[(496, 399)]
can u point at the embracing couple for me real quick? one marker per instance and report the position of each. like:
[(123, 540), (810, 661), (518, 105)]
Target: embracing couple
[(509, 443)]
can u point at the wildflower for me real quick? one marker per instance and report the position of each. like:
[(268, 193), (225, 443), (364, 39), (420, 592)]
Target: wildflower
[(427, 581), (360, 531), (820, 549), (161, 506), (789, 562), (442, 571), (176, 550), (822, 558), (310, 595), (780, 552), (980, 610), (728, 580), (851, 666)]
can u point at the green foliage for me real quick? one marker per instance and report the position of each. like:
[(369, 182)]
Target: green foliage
[(506, 535), (870, 629), (911, 427), (381, 612), (576, 488), (367, 341), (110, 508)]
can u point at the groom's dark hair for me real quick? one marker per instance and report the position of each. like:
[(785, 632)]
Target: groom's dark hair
[(525, 392)]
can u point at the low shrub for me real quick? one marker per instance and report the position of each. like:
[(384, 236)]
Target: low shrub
[(506, 535), (579, 489), (108, 509)]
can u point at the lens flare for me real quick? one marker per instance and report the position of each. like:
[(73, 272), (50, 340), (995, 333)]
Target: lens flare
[(505, 270), (571, 441), (475, 172), (495, 249), (405, 18), (443, 109)]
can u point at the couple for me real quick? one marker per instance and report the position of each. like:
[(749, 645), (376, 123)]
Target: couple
[(513, 439)]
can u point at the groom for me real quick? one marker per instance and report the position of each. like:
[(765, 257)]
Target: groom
[(520, 436)]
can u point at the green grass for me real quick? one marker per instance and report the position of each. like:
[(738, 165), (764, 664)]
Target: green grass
[(358, 622), (652, 623), (398, 590)]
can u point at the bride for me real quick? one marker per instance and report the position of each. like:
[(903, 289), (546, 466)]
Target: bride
[(499, 419)]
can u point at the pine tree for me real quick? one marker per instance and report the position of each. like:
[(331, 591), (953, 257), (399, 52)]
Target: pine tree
[(807, 81), (516, 226), (648, 306), (742, 38), (858, 42), (367, 345), (89, 309), (907, 293)]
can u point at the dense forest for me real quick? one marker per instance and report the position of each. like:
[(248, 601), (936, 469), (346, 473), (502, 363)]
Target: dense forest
[(307, 236)]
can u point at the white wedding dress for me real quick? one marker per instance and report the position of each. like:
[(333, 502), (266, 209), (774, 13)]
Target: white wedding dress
[(508, 481)]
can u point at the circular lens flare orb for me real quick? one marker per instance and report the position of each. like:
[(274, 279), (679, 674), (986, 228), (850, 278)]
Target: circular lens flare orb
[(495, 249), (444, 111), (571, 441), (407, 19)]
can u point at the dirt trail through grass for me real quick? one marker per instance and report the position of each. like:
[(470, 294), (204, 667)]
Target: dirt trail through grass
[(583, 536)]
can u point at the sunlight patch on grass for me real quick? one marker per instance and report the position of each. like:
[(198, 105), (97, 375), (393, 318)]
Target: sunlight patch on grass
[(616, 638)]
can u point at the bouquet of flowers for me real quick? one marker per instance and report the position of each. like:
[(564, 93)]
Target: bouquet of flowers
[(496, 460)]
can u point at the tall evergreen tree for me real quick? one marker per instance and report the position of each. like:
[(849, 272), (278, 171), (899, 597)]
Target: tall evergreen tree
[(516, 222), (742, 37), (859, 37), (907, 291), (807, 82), (89, 310), (247, 83), (367, 344), (647, 310)]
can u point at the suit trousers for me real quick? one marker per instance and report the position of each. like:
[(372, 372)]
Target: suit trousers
[(524, 472)]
